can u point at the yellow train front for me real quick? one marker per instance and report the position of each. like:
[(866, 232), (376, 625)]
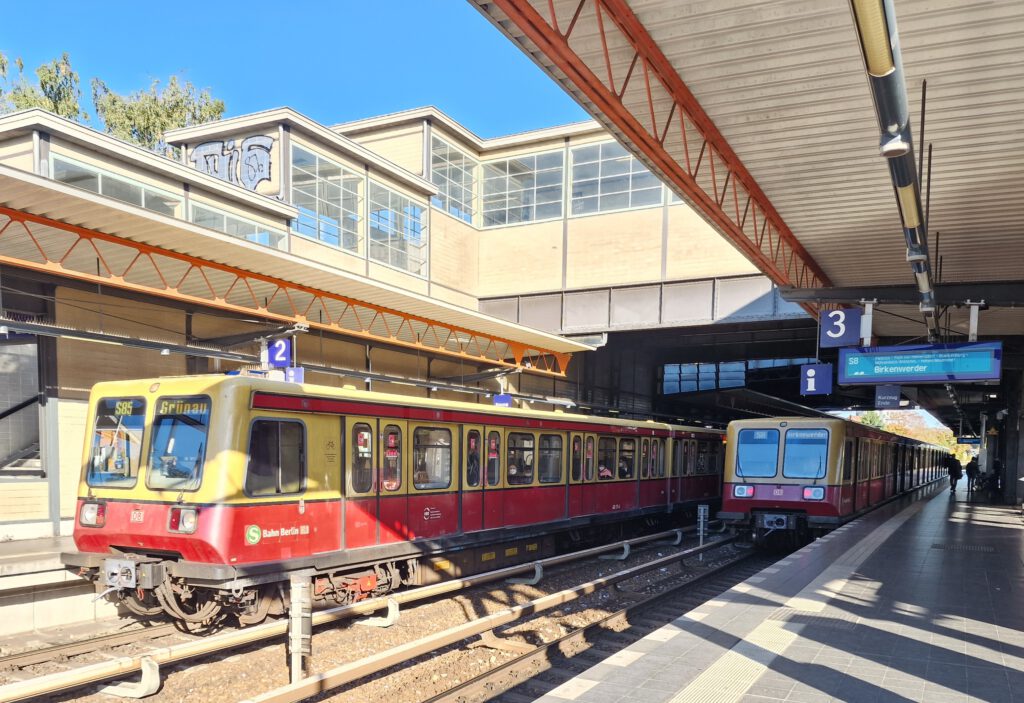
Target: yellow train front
[(802, 477), (200, 495)]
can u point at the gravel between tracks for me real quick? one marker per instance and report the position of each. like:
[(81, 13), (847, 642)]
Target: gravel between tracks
[(261, 668)]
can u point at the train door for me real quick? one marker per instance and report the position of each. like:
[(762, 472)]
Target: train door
[(577, 488), (894, 467), (846, 481), (589, 474), (493, 497), (675, 471), (361, 502), (854, 487), (473, 477), (391, 488)]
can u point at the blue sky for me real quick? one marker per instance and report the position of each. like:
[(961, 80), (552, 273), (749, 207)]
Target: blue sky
[(334, 61)]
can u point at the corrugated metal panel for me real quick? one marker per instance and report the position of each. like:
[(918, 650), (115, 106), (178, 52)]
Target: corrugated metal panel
[(784, 82)]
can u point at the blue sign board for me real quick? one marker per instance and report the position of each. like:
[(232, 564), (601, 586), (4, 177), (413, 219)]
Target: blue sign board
[(976, 441), (887, 396), (816, 379), (840, 328), (295, 374), (279, 353), (503, 400), (922, 363)]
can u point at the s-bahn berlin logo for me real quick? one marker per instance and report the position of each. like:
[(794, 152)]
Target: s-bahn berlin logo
[(253, 534)]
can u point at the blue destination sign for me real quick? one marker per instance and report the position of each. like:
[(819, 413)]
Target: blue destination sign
[(921, 363), (976, 441)]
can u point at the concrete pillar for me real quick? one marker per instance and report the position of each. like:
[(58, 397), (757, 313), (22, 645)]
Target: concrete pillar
[(1013, 442)]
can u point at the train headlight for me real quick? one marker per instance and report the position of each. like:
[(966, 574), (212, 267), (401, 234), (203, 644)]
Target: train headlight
[(93, 515), (814, 493), (743, 491), (184, 520)]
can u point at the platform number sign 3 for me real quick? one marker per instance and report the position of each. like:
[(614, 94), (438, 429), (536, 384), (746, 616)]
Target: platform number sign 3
[(280, 353), (840, 328)]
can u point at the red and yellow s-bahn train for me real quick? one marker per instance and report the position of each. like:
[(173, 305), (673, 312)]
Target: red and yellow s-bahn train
[(805, 476), (200, 496)]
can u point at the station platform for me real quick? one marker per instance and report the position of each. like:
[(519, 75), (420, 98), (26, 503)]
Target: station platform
[(36, 592), (921, 600)]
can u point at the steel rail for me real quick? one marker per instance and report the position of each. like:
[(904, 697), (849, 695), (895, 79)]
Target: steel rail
[(470, 686), (116, 639), (318, 683), (124, 666)]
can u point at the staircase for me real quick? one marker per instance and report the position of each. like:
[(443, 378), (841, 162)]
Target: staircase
[(23, 464)]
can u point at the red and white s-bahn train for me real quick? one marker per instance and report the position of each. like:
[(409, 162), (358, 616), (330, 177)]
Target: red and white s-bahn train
[(806, 476), (200, 496)]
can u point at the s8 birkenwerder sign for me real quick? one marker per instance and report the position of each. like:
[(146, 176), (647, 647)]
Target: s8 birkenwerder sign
[(921, 363)]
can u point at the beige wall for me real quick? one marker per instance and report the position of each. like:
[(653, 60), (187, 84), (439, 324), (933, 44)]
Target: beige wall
[(521, 259), (616, 248), (401, 145), (326, 254), (454, 253), (16, 152), (24, 501), (72, 415), (80, 364), (695, 250)]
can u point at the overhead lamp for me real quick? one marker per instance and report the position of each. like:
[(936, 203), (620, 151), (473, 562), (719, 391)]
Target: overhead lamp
[(4, 329), (874, 36), (165, 352), (993, 395)]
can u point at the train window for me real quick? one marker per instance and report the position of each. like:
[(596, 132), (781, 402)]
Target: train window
[(391, 469), (588, 460), (677, 458), (757, 453), (178, 446), (549, 465), (848, 461), (627, 457), (277, 458), (605, 458), (576, 472), (473, 458), (432, 458), (805, 454), (493, 458), (645, 458), (519, 469), (116, 442), (362, 458), (657, 458)]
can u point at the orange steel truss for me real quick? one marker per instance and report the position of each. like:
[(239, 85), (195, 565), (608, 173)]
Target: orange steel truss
[(42, 244), (671, 128)]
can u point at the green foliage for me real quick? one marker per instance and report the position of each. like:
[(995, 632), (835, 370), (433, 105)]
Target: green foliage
[(55, 90), (873, 418), (143, 116)]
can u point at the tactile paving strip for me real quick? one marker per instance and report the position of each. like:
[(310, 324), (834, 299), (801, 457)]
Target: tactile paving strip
[(958, 547)]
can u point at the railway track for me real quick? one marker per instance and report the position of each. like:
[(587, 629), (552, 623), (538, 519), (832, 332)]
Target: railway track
[(375, 668), (160, 654)]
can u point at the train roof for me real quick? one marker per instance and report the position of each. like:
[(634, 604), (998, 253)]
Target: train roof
[(208, 383), (799, 421)]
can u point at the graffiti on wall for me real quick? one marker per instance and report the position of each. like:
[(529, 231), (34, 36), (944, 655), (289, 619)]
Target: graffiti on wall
[(246, 164)]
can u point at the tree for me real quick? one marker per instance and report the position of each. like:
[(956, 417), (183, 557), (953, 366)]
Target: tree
[(143, 116), (56, 90), (872, 418)]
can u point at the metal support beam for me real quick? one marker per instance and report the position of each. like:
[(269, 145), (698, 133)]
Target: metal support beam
[(994, 294), (668, 128), (300, 626), (866, 321), (972, 331)]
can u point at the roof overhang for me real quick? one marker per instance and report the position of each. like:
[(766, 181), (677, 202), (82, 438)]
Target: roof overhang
[(61, 212), (308, 127)]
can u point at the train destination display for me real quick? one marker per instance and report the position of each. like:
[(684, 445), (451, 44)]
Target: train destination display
[(922, 363)]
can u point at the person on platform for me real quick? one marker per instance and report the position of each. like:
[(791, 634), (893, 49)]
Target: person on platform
[(955, 471), (972, 474)]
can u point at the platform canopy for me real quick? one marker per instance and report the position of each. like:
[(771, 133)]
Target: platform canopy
[(761, 116)]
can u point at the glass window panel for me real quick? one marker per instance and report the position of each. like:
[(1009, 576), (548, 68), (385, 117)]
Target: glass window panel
[(276, 458), (584, 154), (116, 450), (73, 174), (612, 150), (585, 171), (473, 458), (615, 167), (120, 189), (550, 160), (549, 464), (757, 454), (584, 206), (178, 447), (548, 210), (163, 204), (432, 458), (207, 218), (616, 201), (806, 453)]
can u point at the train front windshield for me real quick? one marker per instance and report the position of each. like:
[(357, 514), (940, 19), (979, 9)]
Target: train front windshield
[(116, 442), (757, 453), (806, 453), (179, 443)]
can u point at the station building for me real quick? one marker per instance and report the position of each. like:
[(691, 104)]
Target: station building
[(408, 254)]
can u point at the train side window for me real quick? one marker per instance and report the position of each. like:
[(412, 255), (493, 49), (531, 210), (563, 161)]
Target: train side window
[(362, 458), (576, 472), (432, 458), (519, 469), (277, 458), (549, 466), (848, 461), (645, 458), (117, 442), (677, 458), (391, 472), (627, 457), (493, 458), (605, 458), (658, 458), (473, 458), (588, 460)]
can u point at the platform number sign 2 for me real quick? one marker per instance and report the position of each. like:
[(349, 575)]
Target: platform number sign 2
[(840, 328), (280, 353)]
